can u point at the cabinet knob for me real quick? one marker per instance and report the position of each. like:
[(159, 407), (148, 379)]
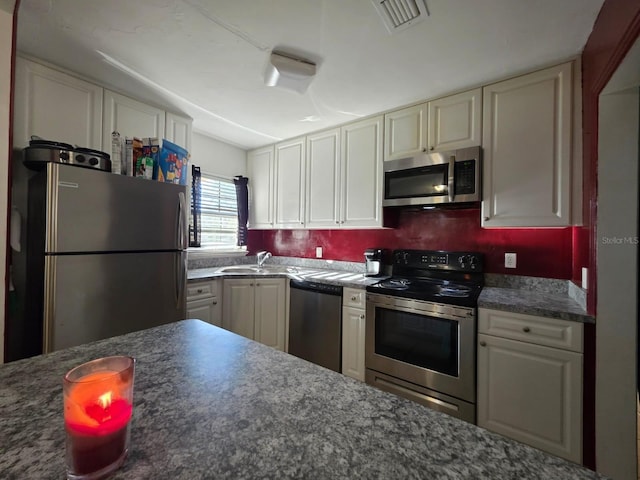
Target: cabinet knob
[(251, 284), (486, 219), (526, 329), (431, 148), (337, 222), (215, 302), (362, 317), (424, 149), (199, 290), (483, 343), (257, 284), (354, 298)]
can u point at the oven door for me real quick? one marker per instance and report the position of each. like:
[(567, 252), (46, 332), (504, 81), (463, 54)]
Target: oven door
[(429, 344)]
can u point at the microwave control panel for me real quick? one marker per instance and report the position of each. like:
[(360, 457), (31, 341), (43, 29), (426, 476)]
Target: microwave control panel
[(465, 177)]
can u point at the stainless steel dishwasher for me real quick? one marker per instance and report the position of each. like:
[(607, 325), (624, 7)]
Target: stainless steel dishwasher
[(315, 323)]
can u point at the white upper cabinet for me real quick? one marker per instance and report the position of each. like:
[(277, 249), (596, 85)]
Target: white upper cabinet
[(405, 132), (323, 192), (456, 121), (130, 118), (260, 170), (55, 106), (362, 173), (446, 123), (527, 124), (178, 130), (290, 183)]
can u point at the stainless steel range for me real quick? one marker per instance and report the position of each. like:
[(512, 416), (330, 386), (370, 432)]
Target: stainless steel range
[(421, 329)]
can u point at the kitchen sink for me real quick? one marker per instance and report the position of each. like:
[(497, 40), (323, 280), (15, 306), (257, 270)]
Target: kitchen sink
[(254, 269), (239, 269)]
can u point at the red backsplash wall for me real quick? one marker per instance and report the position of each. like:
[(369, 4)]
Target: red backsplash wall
[(541, 252)]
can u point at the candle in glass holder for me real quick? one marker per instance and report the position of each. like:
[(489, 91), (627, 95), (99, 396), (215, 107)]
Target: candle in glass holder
[(98, 404)]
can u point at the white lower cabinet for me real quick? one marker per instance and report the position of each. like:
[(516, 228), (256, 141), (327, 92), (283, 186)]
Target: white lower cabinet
[(203, 301), (353, 324), (255, 308), (530, 380)]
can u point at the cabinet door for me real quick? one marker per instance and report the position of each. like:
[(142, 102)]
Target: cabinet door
[(361, 174), (532, 394), (130, 118), (323, 180), (290, 183), (353, 324), (238, 306), (206, 310), (56, 106), (178, 130), (455, 121), (405, 132), (527, 150), (270, 315), (260, 169)]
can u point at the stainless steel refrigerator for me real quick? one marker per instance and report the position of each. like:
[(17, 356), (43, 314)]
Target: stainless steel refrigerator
[(106, 255)]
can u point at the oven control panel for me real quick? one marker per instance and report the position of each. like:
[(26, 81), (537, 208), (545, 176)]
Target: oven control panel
[(439, 260)]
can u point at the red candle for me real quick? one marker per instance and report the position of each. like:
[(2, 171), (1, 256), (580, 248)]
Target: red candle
[(97, 411)]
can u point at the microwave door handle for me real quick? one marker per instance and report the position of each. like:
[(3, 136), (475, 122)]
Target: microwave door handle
[(452, 161)]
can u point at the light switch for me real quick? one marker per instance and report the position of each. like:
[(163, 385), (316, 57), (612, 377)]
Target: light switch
[(318, 252)]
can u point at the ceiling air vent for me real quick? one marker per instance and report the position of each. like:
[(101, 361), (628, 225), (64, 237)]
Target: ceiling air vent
[(400, 14)]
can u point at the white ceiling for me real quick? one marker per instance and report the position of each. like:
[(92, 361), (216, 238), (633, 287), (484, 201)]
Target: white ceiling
[(206, 58)]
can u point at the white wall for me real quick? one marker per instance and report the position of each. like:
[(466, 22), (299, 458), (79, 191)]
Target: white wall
[(216, 157), (6, 41), (617, 256)]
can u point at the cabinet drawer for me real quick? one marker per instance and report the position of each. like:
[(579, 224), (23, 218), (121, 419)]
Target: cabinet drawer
[(197, 290), (353, 297), (550, 332)]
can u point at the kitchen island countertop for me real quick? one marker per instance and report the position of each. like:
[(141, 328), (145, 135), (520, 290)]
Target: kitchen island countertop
[(211, 404)]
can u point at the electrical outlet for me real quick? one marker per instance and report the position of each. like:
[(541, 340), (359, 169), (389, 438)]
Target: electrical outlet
[(509, 260), (318, 252)]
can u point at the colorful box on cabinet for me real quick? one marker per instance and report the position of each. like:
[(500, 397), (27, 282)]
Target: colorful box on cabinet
[(172, 166)]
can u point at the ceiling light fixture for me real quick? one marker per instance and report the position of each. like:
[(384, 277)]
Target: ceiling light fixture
[(289, 72)]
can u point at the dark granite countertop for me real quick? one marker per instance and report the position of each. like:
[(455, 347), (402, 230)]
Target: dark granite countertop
[(546, 297), (543, 304), (529, 295), (333, 277), (211, 404)]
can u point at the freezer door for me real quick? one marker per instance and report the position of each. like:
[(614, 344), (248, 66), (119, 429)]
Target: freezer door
[(91, 297), (93, 211)]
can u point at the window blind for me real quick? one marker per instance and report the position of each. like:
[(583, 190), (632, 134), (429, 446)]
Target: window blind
[(219, 213)]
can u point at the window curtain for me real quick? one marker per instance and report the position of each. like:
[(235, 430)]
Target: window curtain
[(242, 196), (195, 225)]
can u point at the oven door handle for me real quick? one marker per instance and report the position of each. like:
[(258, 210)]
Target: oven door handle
[(452, 163), (435, 403)]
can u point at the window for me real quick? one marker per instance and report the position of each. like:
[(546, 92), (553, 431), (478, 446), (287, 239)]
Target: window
[(219, 213)]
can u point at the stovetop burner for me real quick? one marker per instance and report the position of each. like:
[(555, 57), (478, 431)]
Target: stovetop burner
[(395, 283), (445, 277)]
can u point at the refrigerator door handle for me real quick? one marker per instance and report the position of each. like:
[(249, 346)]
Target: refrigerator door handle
[(181, 278), (181, 230)]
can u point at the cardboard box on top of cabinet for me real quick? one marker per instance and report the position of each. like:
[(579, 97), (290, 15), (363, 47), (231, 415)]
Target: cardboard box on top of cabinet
[(172, 165)]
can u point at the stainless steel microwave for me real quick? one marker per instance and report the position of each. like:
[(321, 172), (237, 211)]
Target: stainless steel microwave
[(433, 178)]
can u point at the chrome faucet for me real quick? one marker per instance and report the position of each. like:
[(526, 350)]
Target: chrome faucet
[(262, 257)]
